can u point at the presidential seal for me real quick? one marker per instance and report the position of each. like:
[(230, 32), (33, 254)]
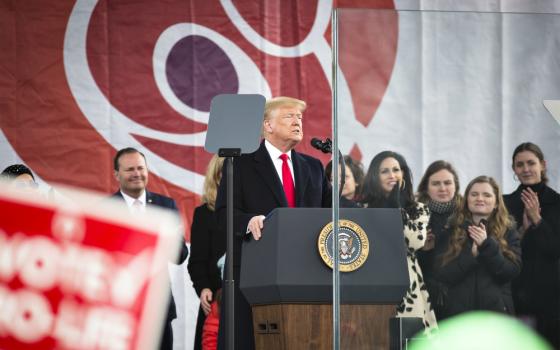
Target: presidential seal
[(353, 245)]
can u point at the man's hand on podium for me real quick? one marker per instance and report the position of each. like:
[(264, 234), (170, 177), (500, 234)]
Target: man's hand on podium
[(255, 226)]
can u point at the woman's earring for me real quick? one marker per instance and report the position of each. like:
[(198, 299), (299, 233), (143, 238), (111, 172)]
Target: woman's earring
[(515, 178)]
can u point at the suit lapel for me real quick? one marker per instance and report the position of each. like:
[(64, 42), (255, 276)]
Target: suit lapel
[(301, 173), (118, 195), (265, 168), (149, 198)]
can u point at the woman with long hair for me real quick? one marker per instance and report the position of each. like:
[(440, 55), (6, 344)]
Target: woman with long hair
[(439, 190), (483, 254), (536, 208), (207, 246), (388, 184)]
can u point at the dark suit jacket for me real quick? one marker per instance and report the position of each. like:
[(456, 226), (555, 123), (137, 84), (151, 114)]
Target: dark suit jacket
[(257, 189), (163, 202), (154, 199)]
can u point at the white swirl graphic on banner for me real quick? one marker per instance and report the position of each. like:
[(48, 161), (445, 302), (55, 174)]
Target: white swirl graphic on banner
[(251, 80), (117, 128), (316, 44)]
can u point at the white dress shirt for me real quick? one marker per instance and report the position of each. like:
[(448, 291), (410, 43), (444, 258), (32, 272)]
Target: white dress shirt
[(130, 202), (275, 154)]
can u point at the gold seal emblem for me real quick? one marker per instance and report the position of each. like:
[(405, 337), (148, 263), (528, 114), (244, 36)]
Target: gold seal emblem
[(353, 245)]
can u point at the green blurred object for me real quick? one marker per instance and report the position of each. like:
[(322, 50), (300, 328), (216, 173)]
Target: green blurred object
[(482, 330)]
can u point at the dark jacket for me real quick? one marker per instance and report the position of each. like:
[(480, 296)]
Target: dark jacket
[(257, 190), (537, 289), (166, 203), (428, 263), (347, 203), (481, 283), (208, 244)]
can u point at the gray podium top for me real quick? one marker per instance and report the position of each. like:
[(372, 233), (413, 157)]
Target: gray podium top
[(235, 122)]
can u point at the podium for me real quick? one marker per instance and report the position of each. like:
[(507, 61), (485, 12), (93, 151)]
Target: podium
[(289, 286)]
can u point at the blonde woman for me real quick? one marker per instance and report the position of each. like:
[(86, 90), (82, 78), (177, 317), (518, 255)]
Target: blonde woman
[(207, 246), (483, 255)]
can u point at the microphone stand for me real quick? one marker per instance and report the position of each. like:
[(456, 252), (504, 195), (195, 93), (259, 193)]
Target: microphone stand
[(342, 172), (326, 147)]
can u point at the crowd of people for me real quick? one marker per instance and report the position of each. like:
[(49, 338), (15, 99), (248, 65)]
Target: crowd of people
[(480, 250)]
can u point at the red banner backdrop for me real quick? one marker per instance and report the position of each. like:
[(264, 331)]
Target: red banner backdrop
[(81, 79)]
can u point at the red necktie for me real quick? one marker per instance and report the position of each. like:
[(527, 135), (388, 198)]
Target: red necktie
[(288, 182)]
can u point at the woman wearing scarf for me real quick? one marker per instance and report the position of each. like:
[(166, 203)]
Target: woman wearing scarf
[(439, 190)]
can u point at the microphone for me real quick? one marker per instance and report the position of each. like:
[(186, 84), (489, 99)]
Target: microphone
[(316, 143), (325, 147)]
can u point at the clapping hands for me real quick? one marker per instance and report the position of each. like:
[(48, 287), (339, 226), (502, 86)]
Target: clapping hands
[(532, 211), (478, 235)]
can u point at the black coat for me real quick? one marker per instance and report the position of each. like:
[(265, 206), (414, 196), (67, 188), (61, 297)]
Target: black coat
[(258, 190), (164, 202), (167, 203), (207, 246), (537, 289), (428, 263), (481, 283), (438, 226)]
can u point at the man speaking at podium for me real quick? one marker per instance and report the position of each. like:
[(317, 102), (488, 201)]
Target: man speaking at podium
[(273, 176)]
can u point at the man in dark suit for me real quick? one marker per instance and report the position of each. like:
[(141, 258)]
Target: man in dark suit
[(273, 176), (131, 172)]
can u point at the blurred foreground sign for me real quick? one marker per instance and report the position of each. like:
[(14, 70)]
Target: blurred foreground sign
[(83, 274)]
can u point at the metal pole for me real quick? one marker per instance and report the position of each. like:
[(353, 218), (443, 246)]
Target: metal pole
[(230, 282), (336, 200)]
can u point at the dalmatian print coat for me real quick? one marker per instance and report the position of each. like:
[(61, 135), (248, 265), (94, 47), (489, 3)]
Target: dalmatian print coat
[(416, 302)]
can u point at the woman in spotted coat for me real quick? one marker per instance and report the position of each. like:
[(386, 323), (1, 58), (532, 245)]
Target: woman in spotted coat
[(388, 184)]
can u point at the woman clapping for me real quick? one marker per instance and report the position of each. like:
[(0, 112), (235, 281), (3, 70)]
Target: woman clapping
[(536, 208), (483, 256)]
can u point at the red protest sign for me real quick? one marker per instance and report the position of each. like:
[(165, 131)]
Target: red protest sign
[(81, 276)]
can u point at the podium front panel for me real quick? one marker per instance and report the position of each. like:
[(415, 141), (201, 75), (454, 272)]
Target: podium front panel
[(285, 266)]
